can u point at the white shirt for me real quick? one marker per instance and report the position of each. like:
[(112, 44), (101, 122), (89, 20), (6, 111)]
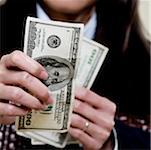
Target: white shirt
[(89, 32)]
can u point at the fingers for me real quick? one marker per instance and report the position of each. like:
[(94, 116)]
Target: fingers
[(7, 119), (8, 116), (20, 60), (94, 115), (91, 126), (17, 72), (19, 96), (29, 82), (88, 142), (94, 100), (27, 77), (93, 119), (11, 110), (92, 130)]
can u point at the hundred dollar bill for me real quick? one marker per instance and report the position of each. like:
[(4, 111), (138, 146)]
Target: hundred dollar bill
[(92, 55), (36, 142), (56, 46), (55, 139)]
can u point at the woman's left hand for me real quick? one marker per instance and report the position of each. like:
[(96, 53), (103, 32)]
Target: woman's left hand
[(92, 120)]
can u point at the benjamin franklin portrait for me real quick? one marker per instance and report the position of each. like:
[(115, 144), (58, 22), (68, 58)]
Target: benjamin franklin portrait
[(60, 71)]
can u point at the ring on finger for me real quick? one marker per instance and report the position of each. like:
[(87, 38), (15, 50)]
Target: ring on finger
[(86, 126)]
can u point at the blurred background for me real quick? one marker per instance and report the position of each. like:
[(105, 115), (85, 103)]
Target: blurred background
[(145, 14)]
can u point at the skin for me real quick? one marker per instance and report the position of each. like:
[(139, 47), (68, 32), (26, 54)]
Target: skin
[(27, 75), (88, 106), (69, 10)]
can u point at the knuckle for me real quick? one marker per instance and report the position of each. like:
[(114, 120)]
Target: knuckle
[(77, 118), (15, 56), (107, 134), (10, 110), (26, 77), (101, 119), (37, 69), (85, 93), (110, 128), (78, 134), (16, 52), (113, 108), (35, 104), (3, 58), (79, 106), (45, 95), (16, 94), (110, 125)]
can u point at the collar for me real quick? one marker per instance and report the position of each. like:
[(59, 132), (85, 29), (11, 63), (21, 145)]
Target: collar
[(89, 29)]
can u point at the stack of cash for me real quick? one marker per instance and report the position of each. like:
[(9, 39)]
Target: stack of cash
[(70, 60)]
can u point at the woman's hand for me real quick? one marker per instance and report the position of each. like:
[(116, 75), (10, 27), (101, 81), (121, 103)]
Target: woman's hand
[(92, 120), (19, 72)]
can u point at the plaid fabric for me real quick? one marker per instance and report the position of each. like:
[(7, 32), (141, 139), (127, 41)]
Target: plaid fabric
[(9, 140), (8, 137)]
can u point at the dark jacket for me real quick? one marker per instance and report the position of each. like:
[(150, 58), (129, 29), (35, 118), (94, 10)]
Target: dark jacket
[(125, 75)]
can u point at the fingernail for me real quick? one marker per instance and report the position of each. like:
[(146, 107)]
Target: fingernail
[(44, 75), (50, 99)]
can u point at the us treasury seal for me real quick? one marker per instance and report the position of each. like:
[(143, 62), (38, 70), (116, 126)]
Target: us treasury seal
[(60, 71), (53, 41)]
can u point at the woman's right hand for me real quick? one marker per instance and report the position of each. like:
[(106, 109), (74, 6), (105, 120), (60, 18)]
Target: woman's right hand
[(18, 72)]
